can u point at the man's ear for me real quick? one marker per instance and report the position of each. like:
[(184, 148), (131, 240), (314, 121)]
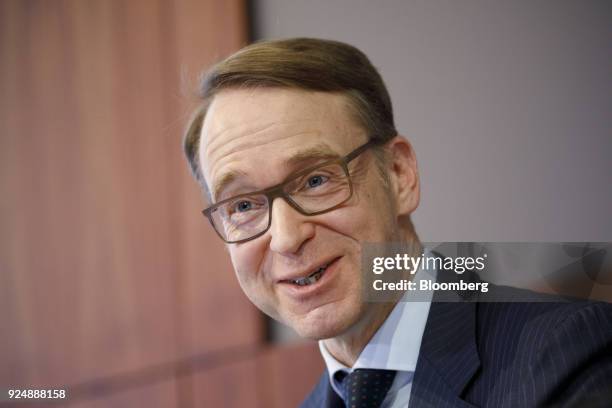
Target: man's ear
[(403, 175)]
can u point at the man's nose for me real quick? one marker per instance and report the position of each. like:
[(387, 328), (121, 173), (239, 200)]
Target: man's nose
[(289, 229)]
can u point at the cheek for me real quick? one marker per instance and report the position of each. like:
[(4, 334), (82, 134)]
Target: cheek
[(246, 260), (369, 218)]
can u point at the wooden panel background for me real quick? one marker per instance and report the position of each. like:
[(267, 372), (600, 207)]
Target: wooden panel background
[(111, 283)]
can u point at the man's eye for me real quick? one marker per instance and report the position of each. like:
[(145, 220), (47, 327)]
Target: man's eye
[(316, 181), (242, 206)]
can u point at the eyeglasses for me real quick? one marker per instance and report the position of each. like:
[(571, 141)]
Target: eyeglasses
[(312, 191)]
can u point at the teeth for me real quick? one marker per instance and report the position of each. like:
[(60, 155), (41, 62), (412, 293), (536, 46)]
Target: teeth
[(312, 278)]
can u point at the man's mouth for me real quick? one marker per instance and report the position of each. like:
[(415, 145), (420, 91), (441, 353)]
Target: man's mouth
[(312, 278)]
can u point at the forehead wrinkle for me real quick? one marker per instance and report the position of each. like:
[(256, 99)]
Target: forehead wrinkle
[(216, 141), (233, 174), (234, 148)]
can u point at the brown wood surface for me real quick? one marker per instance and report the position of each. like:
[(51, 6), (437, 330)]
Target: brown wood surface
[(289, 373), (112, 285), (107, 269)]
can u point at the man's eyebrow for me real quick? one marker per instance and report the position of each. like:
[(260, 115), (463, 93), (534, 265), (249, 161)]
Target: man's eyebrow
[(224, 180), (311, 154)]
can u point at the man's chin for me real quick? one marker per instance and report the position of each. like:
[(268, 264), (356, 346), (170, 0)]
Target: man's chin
[(317, 333), (321, 323)]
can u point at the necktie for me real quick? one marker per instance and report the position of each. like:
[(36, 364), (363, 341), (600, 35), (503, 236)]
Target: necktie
[(367, 388)]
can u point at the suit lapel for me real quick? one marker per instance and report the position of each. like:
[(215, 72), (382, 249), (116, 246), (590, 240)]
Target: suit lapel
[(448, 358), (323, 395), (430, 390), (332, 400)]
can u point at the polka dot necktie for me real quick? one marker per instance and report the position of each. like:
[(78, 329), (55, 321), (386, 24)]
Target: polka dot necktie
[(367, 388)]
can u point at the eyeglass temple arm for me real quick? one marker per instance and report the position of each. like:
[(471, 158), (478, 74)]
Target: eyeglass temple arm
[(361, 149)]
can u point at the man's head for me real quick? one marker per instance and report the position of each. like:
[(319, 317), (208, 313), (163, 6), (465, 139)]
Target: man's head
[(272, 110), (301, 63)]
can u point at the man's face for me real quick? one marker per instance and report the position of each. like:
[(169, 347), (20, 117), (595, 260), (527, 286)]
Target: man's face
[(261, 136)]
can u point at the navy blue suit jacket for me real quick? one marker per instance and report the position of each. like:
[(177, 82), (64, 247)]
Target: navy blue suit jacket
[(508, 354)]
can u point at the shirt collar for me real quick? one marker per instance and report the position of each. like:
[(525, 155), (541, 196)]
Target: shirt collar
[(396, 344)]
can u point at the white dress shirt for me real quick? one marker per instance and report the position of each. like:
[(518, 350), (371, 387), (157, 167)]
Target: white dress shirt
[(395, 346)]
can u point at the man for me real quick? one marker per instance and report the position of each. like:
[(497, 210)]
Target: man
[(296, 147)]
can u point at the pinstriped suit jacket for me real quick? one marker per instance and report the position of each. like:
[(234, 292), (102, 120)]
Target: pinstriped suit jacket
[(543, 352)]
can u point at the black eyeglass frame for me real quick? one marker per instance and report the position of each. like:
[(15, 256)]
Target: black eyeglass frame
[(277, 191)]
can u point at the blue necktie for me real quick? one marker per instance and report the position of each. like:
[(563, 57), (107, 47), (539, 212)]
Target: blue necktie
[(366, 388)]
